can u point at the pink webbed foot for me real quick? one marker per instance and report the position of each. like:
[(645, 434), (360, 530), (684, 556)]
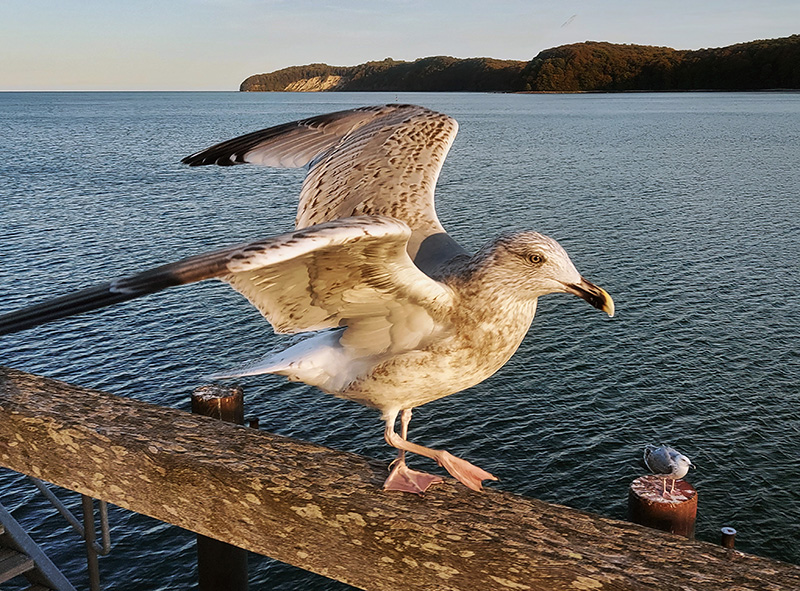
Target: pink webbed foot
[(467, 474), (405, 479)]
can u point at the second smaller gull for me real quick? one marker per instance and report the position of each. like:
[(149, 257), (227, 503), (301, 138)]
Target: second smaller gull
[(666, 462)]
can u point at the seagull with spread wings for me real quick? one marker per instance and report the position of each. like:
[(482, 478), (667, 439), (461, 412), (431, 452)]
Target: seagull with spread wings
[(398, 314)]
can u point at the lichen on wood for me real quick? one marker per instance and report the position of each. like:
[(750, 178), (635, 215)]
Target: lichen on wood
[(324, 510)]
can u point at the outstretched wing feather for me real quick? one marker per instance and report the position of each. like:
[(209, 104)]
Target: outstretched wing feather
[(382, 160), (340, 273)]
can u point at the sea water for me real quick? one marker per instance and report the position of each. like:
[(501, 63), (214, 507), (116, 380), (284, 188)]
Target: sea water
[(685, 207)]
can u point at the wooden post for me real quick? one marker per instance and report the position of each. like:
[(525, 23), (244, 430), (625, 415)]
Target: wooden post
[(225, 403), (220, 566), (674, 512), (89, 536), (728, 537)]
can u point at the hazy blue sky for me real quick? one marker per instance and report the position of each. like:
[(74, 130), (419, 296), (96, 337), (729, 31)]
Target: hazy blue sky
[(215, 44)]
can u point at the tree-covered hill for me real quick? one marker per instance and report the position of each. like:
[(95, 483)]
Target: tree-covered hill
[(580, 67), (439, 73), (594, 66)]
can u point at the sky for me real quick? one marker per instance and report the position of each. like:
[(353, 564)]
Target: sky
[(215, 44)]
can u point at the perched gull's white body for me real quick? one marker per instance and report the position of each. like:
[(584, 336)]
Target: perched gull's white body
[(666, 462), (401, 314)]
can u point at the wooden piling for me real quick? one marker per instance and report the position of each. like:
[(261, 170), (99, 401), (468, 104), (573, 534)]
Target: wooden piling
[(225, 403), (673, 512), (89, 537), (728, 537), (220, 566)]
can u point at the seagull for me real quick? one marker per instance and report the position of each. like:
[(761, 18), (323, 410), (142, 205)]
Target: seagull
[(666, 462), (391, 312)]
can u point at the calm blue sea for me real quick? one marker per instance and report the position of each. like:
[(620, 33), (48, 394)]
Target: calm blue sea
[(685, 207)]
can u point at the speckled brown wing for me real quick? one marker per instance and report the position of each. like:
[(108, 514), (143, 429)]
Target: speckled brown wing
[(381, 160)]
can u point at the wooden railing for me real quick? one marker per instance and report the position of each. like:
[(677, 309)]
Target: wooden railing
[(324, 510)]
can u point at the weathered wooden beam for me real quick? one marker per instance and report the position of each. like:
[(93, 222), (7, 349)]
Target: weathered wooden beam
[(324, 510)]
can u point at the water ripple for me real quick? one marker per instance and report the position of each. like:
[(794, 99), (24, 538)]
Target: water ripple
[(683, 206)]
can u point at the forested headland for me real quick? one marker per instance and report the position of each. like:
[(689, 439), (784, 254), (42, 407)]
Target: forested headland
[(581, 67)]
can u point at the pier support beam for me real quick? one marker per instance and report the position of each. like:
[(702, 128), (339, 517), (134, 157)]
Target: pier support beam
[(220, 566)]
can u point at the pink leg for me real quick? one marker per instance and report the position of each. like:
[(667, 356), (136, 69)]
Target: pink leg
[(664, 492), (468, 474), (402, 477)]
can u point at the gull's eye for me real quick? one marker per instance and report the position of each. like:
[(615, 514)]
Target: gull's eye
[(535, 259)]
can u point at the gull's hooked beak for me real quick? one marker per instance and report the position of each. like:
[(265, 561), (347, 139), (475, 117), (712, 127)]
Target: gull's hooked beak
[(593, 294)]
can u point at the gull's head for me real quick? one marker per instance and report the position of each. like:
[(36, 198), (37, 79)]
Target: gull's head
[(682, 465), (536, 265)]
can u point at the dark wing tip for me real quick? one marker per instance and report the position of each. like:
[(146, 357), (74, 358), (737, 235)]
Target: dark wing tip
[(61, 307), (234, 151), (192, 160), (212, 157), (187, 270)]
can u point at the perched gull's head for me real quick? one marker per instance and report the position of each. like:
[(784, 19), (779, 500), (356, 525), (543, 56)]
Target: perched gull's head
[(535, 265), (681, 464)]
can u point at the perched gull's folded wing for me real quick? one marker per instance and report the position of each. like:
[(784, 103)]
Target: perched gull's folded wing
[(352, 272), (382, 160)]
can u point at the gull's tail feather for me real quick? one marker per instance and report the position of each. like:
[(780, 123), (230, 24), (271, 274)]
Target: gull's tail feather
[(316, 359), (273, 361), (267, 364)]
